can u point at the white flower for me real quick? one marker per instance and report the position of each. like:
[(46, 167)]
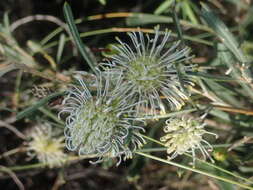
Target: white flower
[(185, 136), (47, 148), (101, 124), (149, 69)]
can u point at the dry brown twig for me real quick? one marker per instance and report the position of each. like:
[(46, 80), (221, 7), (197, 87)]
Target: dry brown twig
[(240, 142), (38, 17), (13, 129), (13, 176), (13, 151)]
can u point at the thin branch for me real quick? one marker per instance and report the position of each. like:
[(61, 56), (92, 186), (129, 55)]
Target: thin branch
[(38, 17), (12, 151), (13, 176), (13, 129)]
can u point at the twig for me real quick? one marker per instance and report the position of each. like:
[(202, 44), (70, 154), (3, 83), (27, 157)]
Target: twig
[(218, 125), (59, 181), (239, 143), (13, 129), (38, 17), (12, 151), (47, 76), (13, 176), (234, 110), (71, 160)]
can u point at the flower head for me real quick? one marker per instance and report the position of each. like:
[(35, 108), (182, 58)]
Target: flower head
[(185, 135), (150, 70), (101, 124), (47, 148)]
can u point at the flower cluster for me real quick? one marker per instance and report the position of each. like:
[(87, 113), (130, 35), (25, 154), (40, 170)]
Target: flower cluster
[(151, 72), (101, 124), (47, 148), (102, 118), (185, 135)]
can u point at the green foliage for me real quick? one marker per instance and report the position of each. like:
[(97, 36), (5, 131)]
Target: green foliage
[(219, 89)]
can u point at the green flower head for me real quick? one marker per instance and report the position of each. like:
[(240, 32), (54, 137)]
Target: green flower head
[(101, 124), (150, 70)]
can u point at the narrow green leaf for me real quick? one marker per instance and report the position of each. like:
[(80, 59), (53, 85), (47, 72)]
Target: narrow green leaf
[(228, 180), (7, 109), (229, 60), (6, 22), (137, 19), (163, 7), (220, 114), (40, 103), (51, 115), (178, 27), (172, 114), (51, 35), (73, 30), (113, 30), (215, 170), (103, 2), (224, 185), (189, 12), (223, 93), (61, 44), (5, 68), (34, 46), (230, 43), (222, 32), (211, 77)]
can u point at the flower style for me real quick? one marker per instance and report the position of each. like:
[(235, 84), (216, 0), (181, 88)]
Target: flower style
[(47, 148), (150, 71), (185, 136), (101, 124)]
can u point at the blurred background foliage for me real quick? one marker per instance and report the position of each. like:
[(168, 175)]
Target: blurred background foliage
[(35, 49)]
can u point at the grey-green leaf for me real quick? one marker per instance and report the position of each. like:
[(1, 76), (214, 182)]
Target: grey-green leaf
[(40, 103), (74, 32)]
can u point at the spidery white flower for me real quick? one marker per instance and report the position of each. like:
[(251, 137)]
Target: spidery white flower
[(185, 135), (47, 148), (101, 124), (150, 71)]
